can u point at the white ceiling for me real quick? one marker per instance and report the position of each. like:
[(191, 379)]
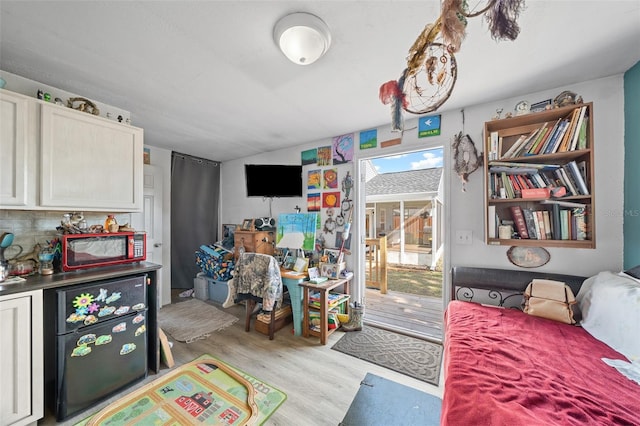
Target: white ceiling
[(205, 77)]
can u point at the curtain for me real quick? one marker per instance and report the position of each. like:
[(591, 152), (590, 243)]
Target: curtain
[(195, 198)]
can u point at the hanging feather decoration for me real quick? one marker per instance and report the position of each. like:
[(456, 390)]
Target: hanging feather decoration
[(391, 93), (453, 24), (502, 19), (418, 50)]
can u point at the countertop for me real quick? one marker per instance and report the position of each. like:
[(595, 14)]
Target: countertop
[(61, 279)]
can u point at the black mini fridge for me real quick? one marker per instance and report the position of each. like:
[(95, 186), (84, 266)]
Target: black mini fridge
[(101, 341)]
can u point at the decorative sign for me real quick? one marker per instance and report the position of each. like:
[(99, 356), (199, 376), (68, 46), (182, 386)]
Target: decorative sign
[(369, 139), (391, 142), (429, 126)]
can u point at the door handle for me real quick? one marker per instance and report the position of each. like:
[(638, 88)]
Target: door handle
[(157, 244)]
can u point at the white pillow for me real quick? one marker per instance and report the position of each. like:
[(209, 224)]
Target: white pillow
[(610, 308)]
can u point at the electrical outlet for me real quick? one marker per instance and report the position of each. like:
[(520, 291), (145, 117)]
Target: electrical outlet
[(464, 237)]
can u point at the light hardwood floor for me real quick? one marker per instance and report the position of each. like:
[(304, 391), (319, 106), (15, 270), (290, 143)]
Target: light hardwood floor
[(320, 383)]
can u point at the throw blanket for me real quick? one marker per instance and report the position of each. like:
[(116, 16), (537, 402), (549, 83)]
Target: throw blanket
[(258, 275), (504, 367)]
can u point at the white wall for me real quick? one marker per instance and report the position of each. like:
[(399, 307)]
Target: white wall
[(162, 159), (465, 210)]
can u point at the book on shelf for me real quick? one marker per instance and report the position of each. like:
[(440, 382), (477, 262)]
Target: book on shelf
[(529, 223), (553, 135), (564, 224), (562, 203), (515, 147), (572, 130), (553, 146), (576, 134), (582, 136), (563, 142), (333, 299), (573, 169), (538, 166), (492, 219), (493, 146), (519, 220), (579, 224), (547, 224), (539, 139)]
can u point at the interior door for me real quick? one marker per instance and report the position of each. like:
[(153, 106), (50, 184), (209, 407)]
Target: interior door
[(150, 220)]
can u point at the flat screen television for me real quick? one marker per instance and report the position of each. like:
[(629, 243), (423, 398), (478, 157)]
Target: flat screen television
[(273, 180)]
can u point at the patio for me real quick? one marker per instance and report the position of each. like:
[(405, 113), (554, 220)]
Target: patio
[(413, 303)]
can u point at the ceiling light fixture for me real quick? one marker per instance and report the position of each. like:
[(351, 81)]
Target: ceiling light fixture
[(302, 37)]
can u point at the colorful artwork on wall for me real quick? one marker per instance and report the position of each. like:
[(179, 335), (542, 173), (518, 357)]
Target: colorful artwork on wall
[(429, 126), (324, 156), (313, 179), (313, 202), (330, 199), (296, 231), (309, 156), (343, 149), (369, 139), (330, 178)]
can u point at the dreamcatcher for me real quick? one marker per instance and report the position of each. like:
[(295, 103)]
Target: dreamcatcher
[(432, 71)]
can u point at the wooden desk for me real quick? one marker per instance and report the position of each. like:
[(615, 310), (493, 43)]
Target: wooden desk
[(324, 306)]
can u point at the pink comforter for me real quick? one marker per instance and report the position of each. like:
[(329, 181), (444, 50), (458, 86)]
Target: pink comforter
[(504, 367)]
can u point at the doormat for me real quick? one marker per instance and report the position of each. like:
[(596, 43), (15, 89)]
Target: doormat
[(384, 402), (205, 391), (192, 320), (407, 355)]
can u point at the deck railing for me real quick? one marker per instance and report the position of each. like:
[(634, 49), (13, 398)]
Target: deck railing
[(376, 259)]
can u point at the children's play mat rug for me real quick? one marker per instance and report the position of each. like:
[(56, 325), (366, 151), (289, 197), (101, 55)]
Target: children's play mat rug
[(204, 391)]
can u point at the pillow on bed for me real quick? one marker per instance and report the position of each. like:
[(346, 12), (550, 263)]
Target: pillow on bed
[(610, 305)]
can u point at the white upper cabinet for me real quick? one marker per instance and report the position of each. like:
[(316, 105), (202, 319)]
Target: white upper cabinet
[(89, 162), (13, 149)]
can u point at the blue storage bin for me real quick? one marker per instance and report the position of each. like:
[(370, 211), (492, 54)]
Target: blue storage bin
[(217, 289)]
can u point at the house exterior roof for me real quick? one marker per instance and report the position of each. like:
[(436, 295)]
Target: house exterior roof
[(423, 181)]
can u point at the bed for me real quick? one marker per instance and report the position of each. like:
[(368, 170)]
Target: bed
[(504, 367)]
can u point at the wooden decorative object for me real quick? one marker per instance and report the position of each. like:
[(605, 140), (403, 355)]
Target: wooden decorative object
[(85, 105)]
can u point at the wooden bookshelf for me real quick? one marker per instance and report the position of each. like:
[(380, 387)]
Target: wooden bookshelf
[(563, 140)]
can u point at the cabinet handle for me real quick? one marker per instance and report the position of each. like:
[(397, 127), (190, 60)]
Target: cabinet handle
[(157, 244)]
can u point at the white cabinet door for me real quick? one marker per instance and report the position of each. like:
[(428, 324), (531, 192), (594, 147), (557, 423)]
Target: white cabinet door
[(88, 162), (21, 358), (13, 149)]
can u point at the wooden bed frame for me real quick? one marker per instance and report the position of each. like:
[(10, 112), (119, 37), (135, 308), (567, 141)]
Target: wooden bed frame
[(500, 287)]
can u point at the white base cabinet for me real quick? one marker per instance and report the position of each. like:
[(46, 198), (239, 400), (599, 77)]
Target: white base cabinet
[(21, 358)]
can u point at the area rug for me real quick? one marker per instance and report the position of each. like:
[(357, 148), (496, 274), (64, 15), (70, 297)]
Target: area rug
[(407, 355), (380, 401), (192, 320), (205, 391)]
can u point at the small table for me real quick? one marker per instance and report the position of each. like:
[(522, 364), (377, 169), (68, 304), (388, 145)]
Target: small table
[(323, 288)]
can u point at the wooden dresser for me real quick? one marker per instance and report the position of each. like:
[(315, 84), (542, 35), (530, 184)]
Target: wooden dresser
[(254, 241)]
